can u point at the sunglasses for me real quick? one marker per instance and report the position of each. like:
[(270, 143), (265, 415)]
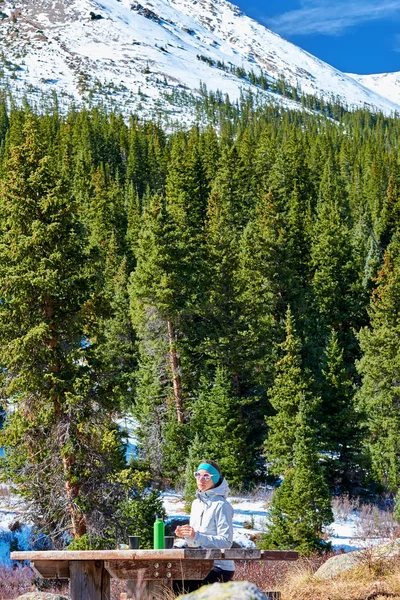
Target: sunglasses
[(204, 476)]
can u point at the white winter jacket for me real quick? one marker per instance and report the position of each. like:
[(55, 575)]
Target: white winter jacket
[(211, 517)]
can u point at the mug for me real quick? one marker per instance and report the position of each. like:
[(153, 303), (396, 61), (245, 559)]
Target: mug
[(169, 541), (134, 542)]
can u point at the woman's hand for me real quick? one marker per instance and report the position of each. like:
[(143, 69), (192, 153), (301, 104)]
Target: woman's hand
[(185, 531)]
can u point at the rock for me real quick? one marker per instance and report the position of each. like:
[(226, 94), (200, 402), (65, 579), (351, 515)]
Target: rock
[(345, 562), (234, 590), (336, 565), (42, 596)]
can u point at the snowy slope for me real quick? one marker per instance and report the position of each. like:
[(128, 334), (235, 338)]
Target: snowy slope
[(132, 53), (387, 84)]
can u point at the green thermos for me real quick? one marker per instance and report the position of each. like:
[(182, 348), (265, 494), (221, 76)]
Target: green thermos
[(159, 530)]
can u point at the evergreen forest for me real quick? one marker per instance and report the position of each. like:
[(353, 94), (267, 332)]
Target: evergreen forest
[(234, 287)]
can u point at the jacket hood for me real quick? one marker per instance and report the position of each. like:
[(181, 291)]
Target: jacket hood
[(220, 490)]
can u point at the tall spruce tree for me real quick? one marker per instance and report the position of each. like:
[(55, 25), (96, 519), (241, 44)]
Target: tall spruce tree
[(220, 424), (341, 431), (155, 307), (390, 215), (149, 301), (115, 341), (301, 506), (220, 304), (61, 444), (379, 394), (291, 388), (337, 286), (260, 302), (259, 291)]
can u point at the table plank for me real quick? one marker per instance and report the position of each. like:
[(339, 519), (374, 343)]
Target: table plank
[(279, 555), (202, 553), (170, 554), (147, 570), (51, 569), (241, 553), (173, 553)]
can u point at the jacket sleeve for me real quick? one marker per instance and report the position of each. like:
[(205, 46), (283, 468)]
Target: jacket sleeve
[(224, 526)]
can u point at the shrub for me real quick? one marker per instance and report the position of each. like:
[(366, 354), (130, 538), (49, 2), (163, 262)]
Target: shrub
[(92, 542), (137, 516)]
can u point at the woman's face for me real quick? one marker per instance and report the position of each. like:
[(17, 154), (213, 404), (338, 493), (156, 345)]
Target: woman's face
[(204, 481)]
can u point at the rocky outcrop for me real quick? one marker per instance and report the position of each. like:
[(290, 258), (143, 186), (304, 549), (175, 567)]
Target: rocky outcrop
[(234, 590), (145, 12), (345, 562)]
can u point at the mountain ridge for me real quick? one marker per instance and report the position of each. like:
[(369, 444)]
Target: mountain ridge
[(134, 53)]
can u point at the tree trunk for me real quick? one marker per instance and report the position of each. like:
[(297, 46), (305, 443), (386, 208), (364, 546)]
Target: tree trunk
[(175, 369), (78, 521)]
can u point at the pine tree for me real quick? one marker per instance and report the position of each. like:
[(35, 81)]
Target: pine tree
[(116, 343), (221, 426), (62, 446), (291, 388), (259, 297), (220, 305), (389, 220), (301, 505), (341, 433), (374, 185), (290, 171), (378, 396), (336, 284), (154, 309), (259, 291), (298, 245), (133, 208), (4, 125), (106, 214), (137, 161)]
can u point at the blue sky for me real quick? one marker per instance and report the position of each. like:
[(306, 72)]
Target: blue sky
[(355, 36)]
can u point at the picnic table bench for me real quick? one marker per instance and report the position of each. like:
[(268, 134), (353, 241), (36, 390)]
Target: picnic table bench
[(148, 572)]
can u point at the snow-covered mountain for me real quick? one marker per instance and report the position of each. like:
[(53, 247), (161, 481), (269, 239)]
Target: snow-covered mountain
[(135, 54), (386, 84)]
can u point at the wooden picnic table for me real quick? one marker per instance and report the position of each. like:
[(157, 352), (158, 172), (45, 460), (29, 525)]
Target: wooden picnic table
[(148, 571)]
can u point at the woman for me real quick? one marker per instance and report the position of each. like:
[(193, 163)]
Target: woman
[(210, 524)]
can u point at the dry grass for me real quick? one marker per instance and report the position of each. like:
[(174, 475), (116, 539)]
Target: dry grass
[(18, 581), (268, 575), (14, 582), (369, 580)]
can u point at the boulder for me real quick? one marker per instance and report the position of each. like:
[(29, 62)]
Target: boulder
[(234, 590), (345, 562), (41, 596), (336, 565)]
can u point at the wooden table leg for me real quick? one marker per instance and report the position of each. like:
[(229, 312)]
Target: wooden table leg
[(89, 580), (148, 590)]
